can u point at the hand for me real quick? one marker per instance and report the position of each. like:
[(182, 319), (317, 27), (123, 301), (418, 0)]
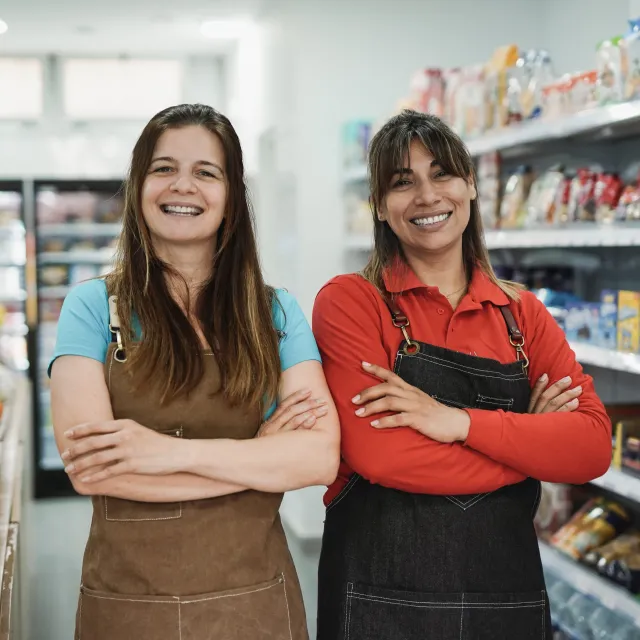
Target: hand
[(412, 408), (557, 398), (115, 447), (296, 411)]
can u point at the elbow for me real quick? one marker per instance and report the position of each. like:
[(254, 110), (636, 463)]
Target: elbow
[(328, 470)]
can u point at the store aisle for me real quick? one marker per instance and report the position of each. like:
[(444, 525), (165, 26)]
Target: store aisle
[(58, 531)]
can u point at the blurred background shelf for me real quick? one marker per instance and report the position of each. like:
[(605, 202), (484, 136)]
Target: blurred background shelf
[(79, 230), (577, 235), (621, 483), (606, 358), (591, 584), (72, 257)]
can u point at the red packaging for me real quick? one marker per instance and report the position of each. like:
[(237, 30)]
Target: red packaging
[(427, 91)]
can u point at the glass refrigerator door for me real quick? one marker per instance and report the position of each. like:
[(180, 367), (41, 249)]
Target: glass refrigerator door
[(77, 227), (13, 295)]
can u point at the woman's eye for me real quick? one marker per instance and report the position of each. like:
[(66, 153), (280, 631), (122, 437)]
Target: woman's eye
[(441, 174), (206, 174), (161, 169), (401, 183)]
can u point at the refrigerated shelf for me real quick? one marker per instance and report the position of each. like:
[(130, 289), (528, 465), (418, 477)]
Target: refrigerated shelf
[(590, 583)]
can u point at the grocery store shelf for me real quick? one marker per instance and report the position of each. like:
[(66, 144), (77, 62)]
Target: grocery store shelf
[(7, 264), (83, 229), (590, 583), (14, 296), (101, 256), (621, 483), (54, 292), (535, 132), (357, 173), (606, 358), (578, 235)]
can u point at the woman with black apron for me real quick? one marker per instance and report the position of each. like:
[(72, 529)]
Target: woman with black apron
[(437, 369)]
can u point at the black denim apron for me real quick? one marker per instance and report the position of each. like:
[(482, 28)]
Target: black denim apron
[(406, 566)]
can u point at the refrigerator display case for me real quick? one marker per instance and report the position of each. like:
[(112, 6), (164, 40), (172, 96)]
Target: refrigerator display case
[(77, 225), (13, 286)]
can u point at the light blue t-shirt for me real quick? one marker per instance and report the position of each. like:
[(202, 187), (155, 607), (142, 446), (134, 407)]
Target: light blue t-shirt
[(83, 327)]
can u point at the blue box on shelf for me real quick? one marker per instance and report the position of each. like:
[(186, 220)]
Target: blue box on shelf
[(581, 322)]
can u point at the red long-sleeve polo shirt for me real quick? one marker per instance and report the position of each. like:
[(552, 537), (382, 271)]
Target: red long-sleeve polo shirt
[(352, 324)]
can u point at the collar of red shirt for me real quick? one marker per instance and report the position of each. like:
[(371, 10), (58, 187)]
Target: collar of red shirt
[(399, 278)]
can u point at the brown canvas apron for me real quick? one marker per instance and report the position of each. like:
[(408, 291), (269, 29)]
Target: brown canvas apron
[(215, 569)]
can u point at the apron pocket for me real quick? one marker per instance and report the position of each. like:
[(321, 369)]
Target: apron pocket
[(107, 616), (259, 612), (373, 613), (487, 402), (120, 510), (503, 616)]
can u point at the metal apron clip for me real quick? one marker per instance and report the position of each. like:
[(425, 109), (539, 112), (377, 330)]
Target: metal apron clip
[(114, 328)]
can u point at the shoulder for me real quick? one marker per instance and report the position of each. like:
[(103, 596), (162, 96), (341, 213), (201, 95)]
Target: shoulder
[(531, 313), (350, 288), (88, 297), (285, 309)]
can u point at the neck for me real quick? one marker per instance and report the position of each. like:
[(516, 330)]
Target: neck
[(445, 271), (193, 265)]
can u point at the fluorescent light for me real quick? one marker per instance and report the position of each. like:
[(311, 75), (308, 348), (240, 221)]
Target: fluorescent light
[(4, 27), (223, 29)]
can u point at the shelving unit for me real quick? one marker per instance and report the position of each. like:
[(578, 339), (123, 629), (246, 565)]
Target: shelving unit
[(101, 256), (590, 583), (621, 483), (606, 358)]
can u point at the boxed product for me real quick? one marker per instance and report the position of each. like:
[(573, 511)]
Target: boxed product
[(608, 334), (629, 321), (582, 321)]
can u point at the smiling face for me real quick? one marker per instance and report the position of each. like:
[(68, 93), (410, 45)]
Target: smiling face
[(184, 193), (427, 208)]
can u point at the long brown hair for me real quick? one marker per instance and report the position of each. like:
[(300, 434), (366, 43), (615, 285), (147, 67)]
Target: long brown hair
[(233, 308), (388, 151)]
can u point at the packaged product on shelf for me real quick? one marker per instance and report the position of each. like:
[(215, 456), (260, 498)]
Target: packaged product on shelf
[(356, 136), (109, 208), (582, 196), (628, 321), (489, 189), (626, 427), (427, 91), (66, 207), (553, 100), (540, 74), (54, 275), (630, 50), (598, 522), (82, 272), (581, 322), (496, 86), (516, 193), (563, 194), (610, 83), (554, 510), (517, 82), (584, 91), (607, 195), (542, 198), (608, 331), (10, 204), (453, 83), (472, 103), (619, 560), (628, 209)]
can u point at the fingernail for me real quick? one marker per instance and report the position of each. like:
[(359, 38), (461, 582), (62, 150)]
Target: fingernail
[(544, 377), (574, 402), (309, 421), (69, 433), (86, 479), (359, 412), (366, 364), (578, 389), (69, 468), (65, 455), (355, 399), (322, 411), (566, 380), (375, 423)]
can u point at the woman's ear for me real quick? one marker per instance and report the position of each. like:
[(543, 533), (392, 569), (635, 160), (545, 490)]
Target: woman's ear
[(473, 192)]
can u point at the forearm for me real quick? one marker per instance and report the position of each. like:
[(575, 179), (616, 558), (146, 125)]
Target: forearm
[(554, 447), (176, 487), (281, 462)]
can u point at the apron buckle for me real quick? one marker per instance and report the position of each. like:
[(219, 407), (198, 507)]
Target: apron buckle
[(519, 350)]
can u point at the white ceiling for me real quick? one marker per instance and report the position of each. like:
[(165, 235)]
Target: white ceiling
[(117, 26)]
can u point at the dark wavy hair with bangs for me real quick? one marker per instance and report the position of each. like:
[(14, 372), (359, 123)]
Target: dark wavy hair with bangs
[(389, 150)]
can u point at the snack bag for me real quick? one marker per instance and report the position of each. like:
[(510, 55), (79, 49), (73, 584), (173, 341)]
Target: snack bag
[(497, 81)]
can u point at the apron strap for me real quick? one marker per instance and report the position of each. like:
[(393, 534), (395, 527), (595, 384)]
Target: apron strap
[(516, 338), (114, 328)]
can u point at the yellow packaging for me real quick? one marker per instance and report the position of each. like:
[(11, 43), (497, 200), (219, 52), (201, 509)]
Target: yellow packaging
[(629, 321), (496, 85)]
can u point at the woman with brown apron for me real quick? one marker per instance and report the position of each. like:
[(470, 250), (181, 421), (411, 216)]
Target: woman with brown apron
[(187, 396), (457, 394)]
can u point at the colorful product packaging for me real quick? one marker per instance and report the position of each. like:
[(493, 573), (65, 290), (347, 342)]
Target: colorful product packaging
[(629, 321), (582, 322), (427, 91), (630, 49), (608, 333)]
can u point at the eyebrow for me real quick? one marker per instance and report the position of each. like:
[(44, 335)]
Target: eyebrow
[(409, 171), (205, 162)]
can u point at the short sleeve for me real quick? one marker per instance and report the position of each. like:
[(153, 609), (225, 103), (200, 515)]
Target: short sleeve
[(297, 343), (83, 326)]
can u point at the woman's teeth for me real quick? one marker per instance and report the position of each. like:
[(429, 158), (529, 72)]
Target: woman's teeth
[(181, 211), (425, 222)]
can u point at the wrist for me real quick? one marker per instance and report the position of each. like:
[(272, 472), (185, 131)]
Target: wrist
[(187, 452), (463, 424)]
